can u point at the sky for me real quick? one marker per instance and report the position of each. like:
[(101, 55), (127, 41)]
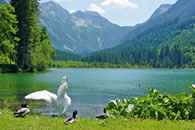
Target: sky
[(121, 12)]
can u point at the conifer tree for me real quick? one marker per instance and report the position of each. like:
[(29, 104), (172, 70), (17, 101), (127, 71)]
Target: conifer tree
[(34, 48), (27, 12)]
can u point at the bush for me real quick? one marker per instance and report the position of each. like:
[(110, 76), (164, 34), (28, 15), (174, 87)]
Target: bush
[(155, 106)]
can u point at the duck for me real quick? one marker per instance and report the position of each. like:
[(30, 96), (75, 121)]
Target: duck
[(22, 111), (71, 119), (138, 86), (102, 115), (61, 101)]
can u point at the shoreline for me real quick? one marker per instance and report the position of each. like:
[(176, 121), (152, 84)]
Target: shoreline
[(85, 65), (9, 72), (120, 68), (80, 64)]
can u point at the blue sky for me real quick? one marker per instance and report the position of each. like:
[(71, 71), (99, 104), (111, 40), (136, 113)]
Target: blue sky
[(121, 12)]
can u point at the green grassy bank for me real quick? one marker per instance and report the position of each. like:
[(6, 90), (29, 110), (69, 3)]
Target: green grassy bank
[(80, 64), (31, 121)]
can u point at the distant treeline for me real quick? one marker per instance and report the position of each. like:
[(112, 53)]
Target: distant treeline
[(66, 56), (23, 43), (81, 64)]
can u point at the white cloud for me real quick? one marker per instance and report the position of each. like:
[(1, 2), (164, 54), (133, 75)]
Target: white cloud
[(72, 11), (59, 1), (95, 8), (118, 4)]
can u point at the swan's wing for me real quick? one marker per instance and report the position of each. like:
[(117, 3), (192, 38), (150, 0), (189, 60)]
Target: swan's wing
[(68, 99), (42, 95)]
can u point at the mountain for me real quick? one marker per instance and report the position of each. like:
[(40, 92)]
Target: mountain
[(168, 44), (79, 32), (162, 9), (180, 10), (89, 18)]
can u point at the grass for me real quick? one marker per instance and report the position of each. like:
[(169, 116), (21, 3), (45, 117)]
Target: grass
[(80, 64), (36, 122)]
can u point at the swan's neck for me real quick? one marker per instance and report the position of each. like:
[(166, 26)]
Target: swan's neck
[(62, 90)]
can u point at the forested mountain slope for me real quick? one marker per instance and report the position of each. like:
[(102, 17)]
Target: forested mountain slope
[(180, 10), (168, 45)]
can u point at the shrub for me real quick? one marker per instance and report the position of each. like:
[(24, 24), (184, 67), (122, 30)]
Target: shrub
[(155, 105)]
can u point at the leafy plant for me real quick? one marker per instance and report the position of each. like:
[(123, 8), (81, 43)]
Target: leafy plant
[(155, 105)]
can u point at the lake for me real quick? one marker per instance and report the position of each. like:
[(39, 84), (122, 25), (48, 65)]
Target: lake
[(91, 89)]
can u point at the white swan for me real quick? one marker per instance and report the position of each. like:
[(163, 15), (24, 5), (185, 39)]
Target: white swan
[(60, 101)]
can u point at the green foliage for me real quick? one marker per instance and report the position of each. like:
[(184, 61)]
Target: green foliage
[(27, 13), (155, 106), (33, 52), (41, 52), (65, 56), (8, 39), (119, 108)]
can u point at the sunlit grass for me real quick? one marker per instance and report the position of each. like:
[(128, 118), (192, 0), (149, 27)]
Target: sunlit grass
[(80, 64), (32, 121)]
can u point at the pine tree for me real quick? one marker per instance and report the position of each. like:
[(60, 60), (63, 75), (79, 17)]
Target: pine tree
[(34, 49), (27, 12)]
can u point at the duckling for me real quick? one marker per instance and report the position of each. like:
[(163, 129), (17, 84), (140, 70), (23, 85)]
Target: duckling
[(22, 111), (102, 115), (71, 119)]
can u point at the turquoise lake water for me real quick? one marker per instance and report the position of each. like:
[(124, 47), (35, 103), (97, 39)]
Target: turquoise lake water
[(91, 89)]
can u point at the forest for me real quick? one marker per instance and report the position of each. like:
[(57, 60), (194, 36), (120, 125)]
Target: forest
[(24, 45)]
